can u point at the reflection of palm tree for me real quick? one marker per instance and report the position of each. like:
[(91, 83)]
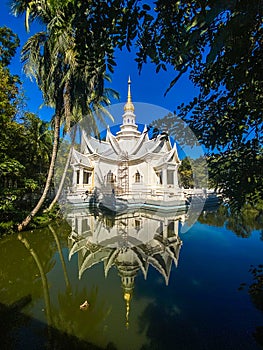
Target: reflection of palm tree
[(42, 275), (61, 257), (68, 317), (84, 324)]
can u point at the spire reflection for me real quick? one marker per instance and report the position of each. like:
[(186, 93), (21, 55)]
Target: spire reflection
[(131, 242)]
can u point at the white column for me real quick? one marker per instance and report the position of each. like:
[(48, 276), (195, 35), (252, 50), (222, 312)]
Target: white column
[(175, 178), (164, 171), (165, 228), (81, 177), (79, 225), (74, 180), (176, 227)]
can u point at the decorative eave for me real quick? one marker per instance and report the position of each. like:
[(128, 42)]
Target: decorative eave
[(177, 159), (92, 258), (128, 131), (160, 159), (144, 137), (160, 265), (81, 159), (85, 138), (76, 247), (113, 142), (167, 159)]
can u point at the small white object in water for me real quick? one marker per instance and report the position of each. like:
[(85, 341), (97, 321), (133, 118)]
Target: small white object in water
[(84, 306)]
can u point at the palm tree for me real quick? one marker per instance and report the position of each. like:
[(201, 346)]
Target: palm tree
[(39, 145), (97, 110), (72, 86)]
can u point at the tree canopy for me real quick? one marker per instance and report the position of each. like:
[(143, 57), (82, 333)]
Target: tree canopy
[(25, 145), (219, 43), (70, 59)]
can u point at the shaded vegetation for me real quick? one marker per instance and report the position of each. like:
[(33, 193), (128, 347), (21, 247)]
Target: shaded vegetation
[(219, 44), (25, 146), (243, 223)]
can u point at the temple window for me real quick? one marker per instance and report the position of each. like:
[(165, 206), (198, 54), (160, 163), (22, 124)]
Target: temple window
[(137, 224), (170, 177), (138, 177), (86, 177), (85, 226), (110, 178), (160, 177), (78, 177), (170, 228)]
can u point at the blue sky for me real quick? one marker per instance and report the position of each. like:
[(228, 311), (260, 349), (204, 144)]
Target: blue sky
[(147, 87)]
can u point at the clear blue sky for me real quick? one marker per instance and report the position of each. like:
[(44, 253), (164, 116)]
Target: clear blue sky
[(148, 87)]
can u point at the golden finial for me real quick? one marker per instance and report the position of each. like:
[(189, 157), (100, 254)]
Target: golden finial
[(129, 105), (127, 298)]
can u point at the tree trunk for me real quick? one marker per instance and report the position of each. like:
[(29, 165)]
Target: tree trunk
[(27, 220), (62, 180)]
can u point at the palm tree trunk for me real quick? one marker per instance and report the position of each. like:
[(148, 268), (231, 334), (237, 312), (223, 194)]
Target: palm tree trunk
[(62, 180), (27, 220)]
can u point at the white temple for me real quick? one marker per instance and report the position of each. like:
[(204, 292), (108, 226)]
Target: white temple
[(128, 164)]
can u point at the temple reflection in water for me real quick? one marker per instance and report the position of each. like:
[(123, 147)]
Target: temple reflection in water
[(131, 242)]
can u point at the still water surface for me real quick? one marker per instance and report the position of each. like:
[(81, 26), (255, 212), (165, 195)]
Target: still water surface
[(148, 286)]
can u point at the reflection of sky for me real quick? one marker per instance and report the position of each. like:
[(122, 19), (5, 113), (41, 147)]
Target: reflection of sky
[(201, 308)]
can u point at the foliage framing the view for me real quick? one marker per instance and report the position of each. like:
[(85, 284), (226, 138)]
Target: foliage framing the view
[(70, 59), (25, 144), (219, 43)]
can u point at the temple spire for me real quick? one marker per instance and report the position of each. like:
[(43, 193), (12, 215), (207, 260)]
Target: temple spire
[(129, 105), (129, 129)]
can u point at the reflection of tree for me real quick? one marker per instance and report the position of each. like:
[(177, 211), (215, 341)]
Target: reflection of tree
[(42, 275), (12, 319), (172, 330), (256, 293), (61, 257), (69, 318), (214, 218), (256, 288), (242, 223), (19, 276), (26, 274)]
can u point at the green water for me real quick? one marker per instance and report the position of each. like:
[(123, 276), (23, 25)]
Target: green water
[(148, 285)]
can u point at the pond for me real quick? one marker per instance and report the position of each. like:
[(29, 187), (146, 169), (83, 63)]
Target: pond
[(134, 281)]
